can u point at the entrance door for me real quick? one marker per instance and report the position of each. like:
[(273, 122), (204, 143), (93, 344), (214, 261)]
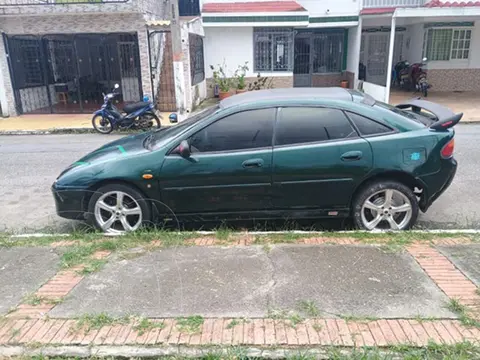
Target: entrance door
[(302, 64), (377, 58)]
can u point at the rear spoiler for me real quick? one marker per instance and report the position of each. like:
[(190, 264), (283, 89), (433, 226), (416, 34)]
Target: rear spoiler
[(444, 117)]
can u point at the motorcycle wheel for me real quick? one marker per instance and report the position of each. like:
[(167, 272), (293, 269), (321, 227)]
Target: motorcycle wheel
[(152, 119), (102, 125)]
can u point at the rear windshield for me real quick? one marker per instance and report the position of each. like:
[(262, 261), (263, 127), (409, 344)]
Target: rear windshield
[(405, 115), (417, 117)]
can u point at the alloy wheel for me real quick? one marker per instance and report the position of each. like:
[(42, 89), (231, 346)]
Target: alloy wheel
[(387, 209), (117, 212)]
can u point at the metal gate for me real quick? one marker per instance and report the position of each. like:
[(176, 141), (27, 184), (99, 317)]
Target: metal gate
[(62, 73)]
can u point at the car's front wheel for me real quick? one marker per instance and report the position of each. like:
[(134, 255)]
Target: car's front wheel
[(385, 205), (118, 208)]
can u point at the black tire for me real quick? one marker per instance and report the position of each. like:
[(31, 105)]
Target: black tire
[(154, 119), (102, 119), (144, 204), (370, 189)]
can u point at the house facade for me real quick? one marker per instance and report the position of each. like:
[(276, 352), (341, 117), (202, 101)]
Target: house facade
[(59, 56), (322, 43)]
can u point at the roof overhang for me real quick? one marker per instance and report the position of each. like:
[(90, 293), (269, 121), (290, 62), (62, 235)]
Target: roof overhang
[(255, 19), (254, 13)]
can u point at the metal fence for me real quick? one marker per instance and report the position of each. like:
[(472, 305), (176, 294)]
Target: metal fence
[(55, 2), (68, 73), (392, 3), (197, 63)]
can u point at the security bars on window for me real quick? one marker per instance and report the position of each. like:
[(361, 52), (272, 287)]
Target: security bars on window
[(273, 49)]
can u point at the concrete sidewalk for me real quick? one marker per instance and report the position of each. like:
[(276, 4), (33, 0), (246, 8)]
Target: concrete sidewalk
[(314, 292), (54, 122)]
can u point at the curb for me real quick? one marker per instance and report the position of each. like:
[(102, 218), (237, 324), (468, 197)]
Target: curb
[(49, 131), (151, 352)]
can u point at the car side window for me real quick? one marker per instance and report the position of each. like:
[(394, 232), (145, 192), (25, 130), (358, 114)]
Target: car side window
[(367, 126), (244, 130), (298, 125)]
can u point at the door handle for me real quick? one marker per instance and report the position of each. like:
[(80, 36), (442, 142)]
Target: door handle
[(252, 163), (352, 156)]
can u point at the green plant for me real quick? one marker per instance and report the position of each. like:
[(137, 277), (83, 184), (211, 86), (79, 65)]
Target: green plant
[(262, 82), (220, 78), (240, 74), (309, 308), (191, 324), (145, 325)]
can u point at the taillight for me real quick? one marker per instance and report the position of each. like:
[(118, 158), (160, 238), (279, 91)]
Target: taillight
[(447, 150)]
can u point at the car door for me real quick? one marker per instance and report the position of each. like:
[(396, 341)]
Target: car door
[(318, 159), (229, 170)]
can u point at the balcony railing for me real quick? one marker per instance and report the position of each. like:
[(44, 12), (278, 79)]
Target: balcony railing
[(55, 2), (392, 3)]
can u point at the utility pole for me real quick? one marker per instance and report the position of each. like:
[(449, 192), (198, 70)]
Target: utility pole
[(179, 78)]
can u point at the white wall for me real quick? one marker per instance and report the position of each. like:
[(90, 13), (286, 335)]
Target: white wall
[(231, 46), (376, 91), (352, 51)]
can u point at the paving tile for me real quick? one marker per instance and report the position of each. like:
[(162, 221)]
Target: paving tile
[(258, 332), (290, 331), (422, 338), (356, 334), (280, 333), (123, 334), (164, 334), (227, 332), (344, 332), (101, 335), (217, 331), (376, 330), (313, 337), (368, 338), (237, 337), (49, 335), (333, 332), (302, 334), (387, 332), (207, 329)]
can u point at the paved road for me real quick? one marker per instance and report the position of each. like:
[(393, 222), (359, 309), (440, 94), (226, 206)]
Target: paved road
[(30, 164)]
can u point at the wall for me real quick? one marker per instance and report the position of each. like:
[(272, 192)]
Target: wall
[(68, 24), (376, 91)]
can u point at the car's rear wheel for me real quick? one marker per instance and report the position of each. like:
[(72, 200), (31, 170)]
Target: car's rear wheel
[(118, 208), (385, 205)]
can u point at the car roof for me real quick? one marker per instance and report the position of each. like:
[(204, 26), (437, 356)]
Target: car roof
[(290, 94)]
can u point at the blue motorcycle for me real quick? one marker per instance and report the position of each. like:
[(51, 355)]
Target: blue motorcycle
[(136, 116)]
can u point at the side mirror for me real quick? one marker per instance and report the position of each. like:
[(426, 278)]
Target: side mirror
[(116, 86), (184, 149)]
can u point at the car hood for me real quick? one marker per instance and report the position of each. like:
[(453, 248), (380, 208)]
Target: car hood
[(127, 146)]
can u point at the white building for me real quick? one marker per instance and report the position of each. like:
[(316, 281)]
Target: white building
[(321, 43)]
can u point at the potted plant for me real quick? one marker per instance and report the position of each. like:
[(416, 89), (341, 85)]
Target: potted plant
[(224, 83), (240, 74)]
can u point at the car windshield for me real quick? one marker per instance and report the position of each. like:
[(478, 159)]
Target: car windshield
[(172, 131)]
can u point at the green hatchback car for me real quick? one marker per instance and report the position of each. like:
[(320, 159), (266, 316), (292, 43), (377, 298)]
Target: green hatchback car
[(285, 153)]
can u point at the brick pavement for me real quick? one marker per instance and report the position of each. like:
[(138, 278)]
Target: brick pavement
[(30, 324)]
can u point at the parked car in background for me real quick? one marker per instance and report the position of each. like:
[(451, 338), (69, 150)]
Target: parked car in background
[(283, 153)]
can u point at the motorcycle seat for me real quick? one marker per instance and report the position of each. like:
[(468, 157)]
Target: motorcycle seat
[(130, 108)]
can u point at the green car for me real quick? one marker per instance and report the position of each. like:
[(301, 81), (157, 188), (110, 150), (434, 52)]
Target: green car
[(285, 153)]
